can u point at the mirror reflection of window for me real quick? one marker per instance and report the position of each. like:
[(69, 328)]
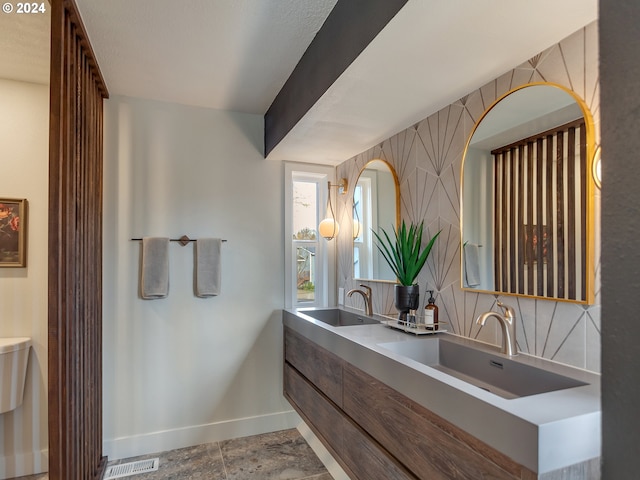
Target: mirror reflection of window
[(358, 233), (363, 244), (374, 207)]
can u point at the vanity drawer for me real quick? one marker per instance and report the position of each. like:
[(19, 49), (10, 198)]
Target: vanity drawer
[(364, 455), (360, 456), (426, 444), (324, 419), (320, 367)]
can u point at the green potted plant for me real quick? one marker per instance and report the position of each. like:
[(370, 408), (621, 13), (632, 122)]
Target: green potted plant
[(406, 257)]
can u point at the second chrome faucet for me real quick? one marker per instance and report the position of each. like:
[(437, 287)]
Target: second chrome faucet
[(508, 326)]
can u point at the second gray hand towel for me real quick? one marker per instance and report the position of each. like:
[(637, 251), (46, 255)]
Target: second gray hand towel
[(154, 278), (208, 277)]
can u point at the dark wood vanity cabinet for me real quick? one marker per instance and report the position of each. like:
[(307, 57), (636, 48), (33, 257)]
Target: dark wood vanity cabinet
[(373, 431), (359, 455)]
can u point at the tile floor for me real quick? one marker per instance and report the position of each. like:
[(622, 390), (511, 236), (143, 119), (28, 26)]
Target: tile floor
[(280, 455)]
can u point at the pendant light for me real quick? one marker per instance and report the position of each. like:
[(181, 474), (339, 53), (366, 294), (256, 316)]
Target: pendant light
[(329, 227), (597, 168)]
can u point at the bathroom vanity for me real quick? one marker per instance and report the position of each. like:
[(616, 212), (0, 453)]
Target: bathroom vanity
[(390, 405)]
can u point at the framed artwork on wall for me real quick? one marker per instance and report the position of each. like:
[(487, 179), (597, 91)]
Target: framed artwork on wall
[(533, 244), (13, 232)]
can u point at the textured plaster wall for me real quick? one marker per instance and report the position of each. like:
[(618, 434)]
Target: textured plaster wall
[(428, 158)]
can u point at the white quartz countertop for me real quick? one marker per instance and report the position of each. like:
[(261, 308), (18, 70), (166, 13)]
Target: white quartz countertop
[(543, 432)]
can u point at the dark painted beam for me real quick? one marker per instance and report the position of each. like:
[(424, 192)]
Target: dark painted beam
[(349, 28)]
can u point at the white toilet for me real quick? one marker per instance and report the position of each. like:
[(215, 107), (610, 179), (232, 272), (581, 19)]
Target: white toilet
[(14, 355)]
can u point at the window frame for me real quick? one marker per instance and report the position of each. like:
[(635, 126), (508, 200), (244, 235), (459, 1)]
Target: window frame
[(326, 249)]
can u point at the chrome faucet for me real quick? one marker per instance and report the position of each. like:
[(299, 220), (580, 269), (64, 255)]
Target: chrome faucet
[(366, 295), (507, 324)]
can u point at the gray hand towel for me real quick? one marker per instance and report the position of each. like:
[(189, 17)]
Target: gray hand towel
[(472, 264), (154, 277), (208, 276)]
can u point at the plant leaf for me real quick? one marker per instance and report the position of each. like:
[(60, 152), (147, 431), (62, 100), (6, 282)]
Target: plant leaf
[(403, 253)]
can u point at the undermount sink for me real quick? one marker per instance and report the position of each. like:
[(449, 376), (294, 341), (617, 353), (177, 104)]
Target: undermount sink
[(499, 375), (337, 317)]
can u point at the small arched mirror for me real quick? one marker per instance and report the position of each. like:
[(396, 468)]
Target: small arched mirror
[(527, 197), (375, 205)]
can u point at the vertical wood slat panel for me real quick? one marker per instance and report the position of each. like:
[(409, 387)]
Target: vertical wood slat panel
[(89, 260), (78, 341), (560, 212), (75, 251), (529, 222), (497, 251), (504, 230), (66, 249), (513, 266), (55, 365), (539, 225), (87, 278), (84, 339), (521, 198), (550, 205), (551, 240), (571, 211)]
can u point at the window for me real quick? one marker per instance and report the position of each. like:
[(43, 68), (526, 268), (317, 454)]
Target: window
[(305, 238), (309, 257)]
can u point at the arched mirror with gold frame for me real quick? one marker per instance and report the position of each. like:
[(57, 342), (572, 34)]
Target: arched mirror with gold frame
[(527, 197), (376, 204)]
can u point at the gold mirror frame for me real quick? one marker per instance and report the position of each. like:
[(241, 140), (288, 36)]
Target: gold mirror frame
[(589, 273), (397, 216)]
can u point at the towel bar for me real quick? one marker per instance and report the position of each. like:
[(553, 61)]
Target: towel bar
[(183, 240)]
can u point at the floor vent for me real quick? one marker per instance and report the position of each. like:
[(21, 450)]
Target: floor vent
[(133, 468)]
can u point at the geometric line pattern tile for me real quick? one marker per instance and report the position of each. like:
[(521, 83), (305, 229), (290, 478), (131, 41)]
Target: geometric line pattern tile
[(427, 158)]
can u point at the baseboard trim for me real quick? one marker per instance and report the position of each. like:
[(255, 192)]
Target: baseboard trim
[(155, 442), (30, 463)]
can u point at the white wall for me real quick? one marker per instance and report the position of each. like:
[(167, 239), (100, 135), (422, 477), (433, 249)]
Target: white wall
[(183, 370), (24, 162)]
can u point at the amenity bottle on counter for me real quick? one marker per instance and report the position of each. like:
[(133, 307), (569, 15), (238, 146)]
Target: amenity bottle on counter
[(431, 313)]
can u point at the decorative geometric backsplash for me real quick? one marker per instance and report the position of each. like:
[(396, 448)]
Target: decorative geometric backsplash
[(427, 158)]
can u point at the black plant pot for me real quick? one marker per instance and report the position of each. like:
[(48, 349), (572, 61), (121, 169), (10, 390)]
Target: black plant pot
[(406, 298)]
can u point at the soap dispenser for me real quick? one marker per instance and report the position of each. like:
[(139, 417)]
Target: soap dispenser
[(431, 313)]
